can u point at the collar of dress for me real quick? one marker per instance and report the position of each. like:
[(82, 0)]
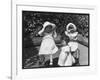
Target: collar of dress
[(48, 36)]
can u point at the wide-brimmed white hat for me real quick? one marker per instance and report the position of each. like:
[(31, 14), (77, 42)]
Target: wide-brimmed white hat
[(45, 25), (70, 25)]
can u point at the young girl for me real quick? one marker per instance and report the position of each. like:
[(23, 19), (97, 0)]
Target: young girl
[(71, 32), (66, 57), (48, 46)]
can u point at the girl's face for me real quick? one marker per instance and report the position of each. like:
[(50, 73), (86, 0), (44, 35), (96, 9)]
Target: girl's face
[(72, 31)]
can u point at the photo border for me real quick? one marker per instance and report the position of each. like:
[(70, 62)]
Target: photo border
[(22, 29)]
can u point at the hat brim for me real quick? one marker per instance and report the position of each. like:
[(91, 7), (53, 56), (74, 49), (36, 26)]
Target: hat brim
[(45, 25), (69, 26)]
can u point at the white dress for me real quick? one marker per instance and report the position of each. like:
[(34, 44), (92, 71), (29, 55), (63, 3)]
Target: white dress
[(48, 46), (65, 58)]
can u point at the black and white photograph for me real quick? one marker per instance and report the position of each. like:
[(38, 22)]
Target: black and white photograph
[(55, 39), (52, 40)]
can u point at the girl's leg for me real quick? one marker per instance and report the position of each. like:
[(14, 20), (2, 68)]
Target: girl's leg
[(51, 59)]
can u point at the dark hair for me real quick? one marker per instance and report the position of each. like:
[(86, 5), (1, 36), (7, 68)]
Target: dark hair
[(65, 38), (48, 29)]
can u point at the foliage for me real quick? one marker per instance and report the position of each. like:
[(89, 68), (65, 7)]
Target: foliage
[(33, 21)]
